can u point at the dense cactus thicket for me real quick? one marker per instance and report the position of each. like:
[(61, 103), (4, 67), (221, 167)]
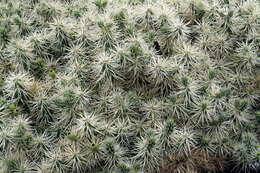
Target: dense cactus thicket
[(129, 86)]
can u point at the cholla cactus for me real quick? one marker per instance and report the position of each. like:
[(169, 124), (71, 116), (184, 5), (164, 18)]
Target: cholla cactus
[(88, 126), (163, 73), (185, 142), (6, 136), (113, 154), (129, 86), (171, 33), (41, 146), (75, 159), (21, 53), (167, 131), (246, 57), (15, 163), (148, 153), (122, 105), (16, 88), (107, 69), (43, 110)]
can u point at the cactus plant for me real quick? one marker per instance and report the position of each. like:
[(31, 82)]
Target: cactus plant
[(129, 86)]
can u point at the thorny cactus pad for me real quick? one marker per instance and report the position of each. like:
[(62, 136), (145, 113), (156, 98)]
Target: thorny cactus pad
[(129, 86)]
